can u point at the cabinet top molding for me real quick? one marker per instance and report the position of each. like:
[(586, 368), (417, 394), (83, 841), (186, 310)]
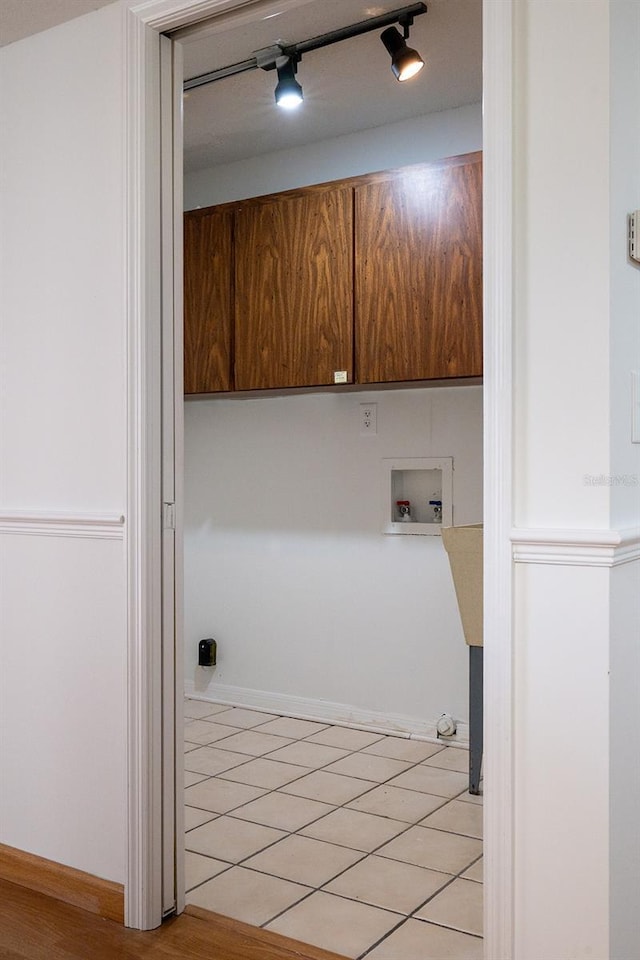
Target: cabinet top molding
[(410, 170)]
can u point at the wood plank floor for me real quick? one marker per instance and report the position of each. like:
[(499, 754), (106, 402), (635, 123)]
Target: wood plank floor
[(36, 927)]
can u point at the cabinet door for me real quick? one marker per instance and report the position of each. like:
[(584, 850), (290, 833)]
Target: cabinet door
[(419, 273), (208, 300), (294, 289)]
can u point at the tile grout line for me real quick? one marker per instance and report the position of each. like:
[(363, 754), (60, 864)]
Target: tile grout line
[(339, 806), (412, 914), (403, 917), (379, 736), (335, 807), (323, 767), (414, 737), (345, 725), (320, 889), (367, 952), (291, 833)]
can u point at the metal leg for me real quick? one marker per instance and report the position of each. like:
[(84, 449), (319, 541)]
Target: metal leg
[(475, 717)]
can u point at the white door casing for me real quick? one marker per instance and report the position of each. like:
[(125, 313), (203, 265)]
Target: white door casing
[(172, 420), (145, 20), (499, 835)]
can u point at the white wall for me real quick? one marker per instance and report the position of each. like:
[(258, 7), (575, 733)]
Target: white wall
[(286, 565), (625, 276), (63, 705), (563, 299), (576, 618), (63, 431), (420, 139)]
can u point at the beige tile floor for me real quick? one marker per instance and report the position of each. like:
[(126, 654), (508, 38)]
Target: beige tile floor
[(364, 844)]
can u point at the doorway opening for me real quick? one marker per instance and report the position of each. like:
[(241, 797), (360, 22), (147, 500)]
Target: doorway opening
[(322, 621)]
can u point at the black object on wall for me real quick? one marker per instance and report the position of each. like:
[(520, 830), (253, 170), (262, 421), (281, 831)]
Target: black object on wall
[(207, 650)]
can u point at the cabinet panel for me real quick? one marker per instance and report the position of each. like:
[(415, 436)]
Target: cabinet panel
[(419, 273), (294, 289), (208, 300)]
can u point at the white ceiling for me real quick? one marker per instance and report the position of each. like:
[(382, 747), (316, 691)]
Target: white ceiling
[(22, 18), (347, 86)]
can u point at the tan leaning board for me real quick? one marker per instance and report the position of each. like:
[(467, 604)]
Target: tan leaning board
[(464, 546)]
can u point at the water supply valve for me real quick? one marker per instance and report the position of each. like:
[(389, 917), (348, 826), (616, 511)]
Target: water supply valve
[(437, 510), (446, 725), (404, 510)]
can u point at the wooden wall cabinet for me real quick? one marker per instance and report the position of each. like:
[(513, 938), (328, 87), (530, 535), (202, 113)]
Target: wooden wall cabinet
[(377, 279), (418, 278), (208, 299), (294, 289)]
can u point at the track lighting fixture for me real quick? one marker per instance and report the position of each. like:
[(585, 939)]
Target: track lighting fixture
[(405, 62), (288, 91), (284, 57)]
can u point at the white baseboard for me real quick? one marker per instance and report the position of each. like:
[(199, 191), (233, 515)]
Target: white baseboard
[(324, 711)]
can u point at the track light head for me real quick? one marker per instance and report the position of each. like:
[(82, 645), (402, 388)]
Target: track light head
[(284, 57), (288, 91), (405, 62)]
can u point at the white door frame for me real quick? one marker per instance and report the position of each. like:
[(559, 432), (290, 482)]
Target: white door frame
[(172, 421), (145, 20), (498, 128)]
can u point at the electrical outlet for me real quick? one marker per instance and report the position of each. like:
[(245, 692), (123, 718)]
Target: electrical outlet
[(368, 419)]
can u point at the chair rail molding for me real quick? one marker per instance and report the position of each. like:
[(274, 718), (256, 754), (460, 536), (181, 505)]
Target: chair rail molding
[(40, 523), (576, 548)]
